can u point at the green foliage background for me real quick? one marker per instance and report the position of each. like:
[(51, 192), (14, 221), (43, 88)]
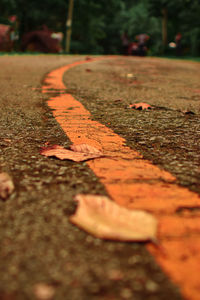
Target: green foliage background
[(98, 25)]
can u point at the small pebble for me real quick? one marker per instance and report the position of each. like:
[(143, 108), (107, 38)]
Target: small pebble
[(126, 294), (151, 286)]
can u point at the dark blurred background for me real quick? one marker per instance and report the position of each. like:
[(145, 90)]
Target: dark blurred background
[(97, 27)]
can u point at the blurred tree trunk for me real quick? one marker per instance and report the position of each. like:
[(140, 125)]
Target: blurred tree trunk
[(164, 27), (69, 26), (195, 41), (22, 27)]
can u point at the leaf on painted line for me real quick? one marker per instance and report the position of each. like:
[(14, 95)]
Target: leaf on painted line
[(85, 148), (6, 185), (140, 106), (104, 219), (62, 153)]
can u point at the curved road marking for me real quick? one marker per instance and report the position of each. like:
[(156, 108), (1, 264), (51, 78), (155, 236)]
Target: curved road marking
[(136, 183)]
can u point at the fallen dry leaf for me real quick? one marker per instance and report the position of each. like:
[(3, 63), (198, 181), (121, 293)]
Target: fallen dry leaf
[(7, 140), (105, 219), (47, 143), (44, 291), (6, 185), (88, 58), (85, 148), (140, 106), (78, 153)]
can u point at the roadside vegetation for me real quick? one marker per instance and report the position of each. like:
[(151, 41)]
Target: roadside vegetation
[(97, 26)]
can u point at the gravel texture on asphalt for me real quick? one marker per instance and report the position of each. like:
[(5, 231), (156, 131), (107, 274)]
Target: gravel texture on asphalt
[(39, 247)]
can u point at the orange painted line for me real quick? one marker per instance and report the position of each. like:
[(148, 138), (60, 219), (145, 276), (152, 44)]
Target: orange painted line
[(136, 183)]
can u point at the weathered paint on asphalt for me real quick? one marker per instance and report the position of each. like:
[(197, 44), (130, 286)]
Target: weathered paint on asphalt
[(136, 183)]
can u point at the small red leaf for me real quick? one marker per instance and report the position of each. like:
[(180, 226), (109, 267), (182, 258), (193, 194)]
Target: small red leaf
[(88, 58), (137, 82), (140, 106), (197, 91)]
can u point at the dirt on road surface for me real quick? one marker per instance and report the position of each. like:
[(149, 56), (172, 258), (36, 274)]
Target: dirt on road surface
[(41, 252)]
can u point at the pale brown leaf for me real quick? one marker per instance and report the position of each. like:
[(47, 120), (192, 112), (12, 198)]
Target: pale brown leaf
[(6, 185), (62, 153), (105, 219), (85, 148)]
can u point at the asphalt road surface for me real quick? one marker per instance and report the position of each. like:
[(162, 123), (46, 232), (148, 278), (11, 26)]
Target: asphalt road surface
[(44, 256)]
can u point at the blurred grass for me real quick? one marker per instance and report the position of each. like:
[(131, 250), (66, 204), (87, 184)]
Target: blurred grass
[(191, 58)]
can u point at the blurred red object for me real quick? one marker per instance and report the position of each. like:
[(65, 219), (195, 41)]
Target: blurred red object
[(12, 19), (133, 48), (5, 42), (41, 41)]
